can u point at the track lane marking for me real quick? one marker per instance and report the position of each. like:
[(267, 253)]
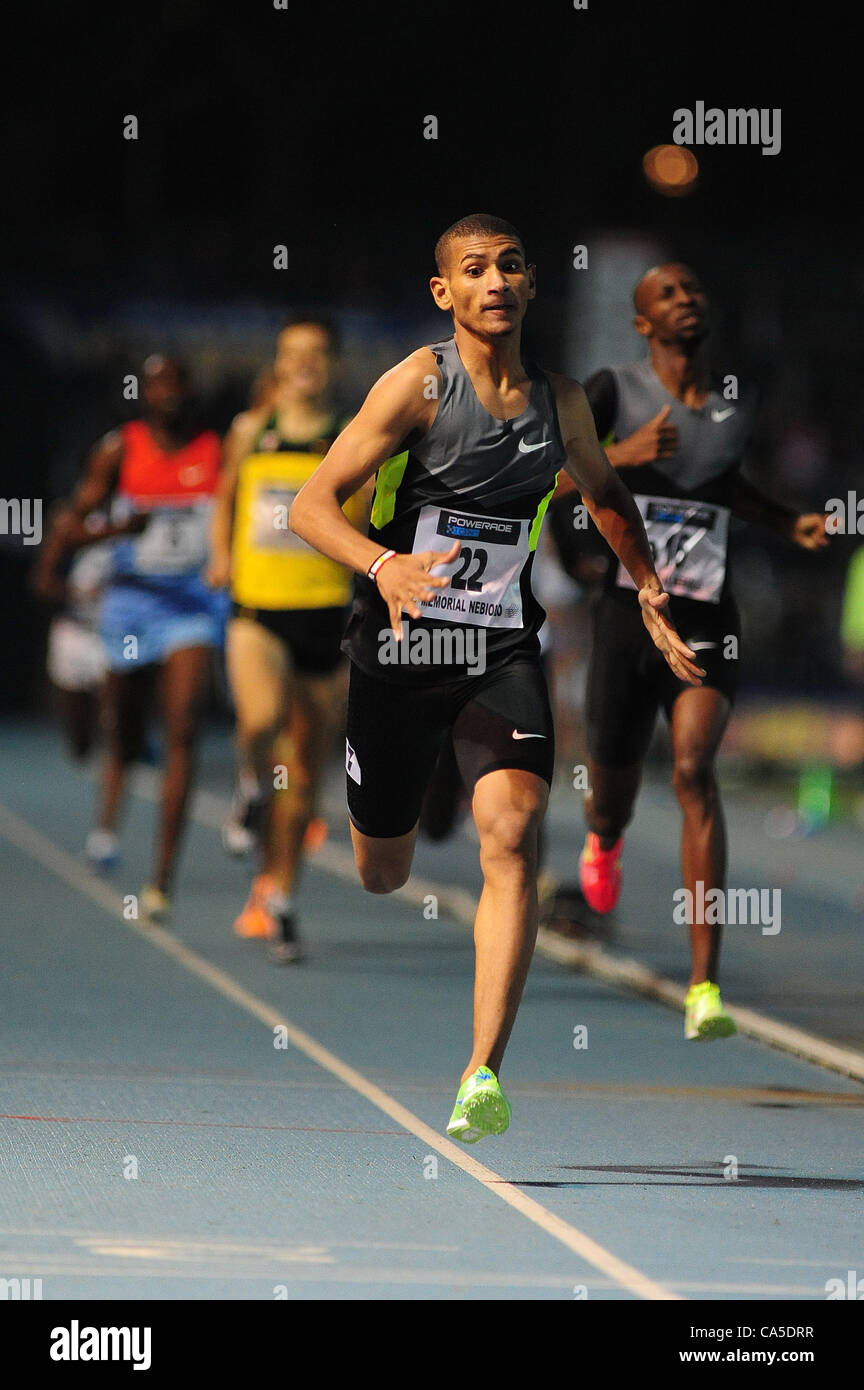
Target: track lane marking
[(196, 1124), (32, 842)]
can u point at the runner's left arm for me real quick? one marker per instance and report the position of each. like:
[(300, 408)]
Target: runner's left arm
[(364, 497), (806, 529), (617, 518)]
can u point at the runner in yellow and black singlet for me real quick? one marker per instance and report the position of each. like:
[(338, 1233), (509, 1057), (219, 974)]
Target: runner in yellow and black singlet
[(288, 615)]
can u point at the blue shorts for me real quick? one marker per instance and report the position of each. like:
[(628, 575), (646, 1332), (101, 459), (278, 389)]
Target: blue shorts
[(142, 622)]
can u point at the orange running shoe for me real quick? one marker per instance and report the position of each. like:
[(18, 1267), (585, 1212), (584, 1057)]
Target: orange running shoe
[(600, 873), (316, 834), (255, 921)]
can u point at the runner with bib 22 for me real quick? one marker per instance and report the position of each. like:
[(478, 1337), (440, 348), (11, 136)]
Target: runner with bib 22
[(467, 442)]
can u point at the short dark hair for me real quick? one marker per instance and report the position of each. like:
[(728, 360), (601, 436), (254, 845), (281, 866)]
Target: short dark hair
[(330, 327), (157, 362), (476, 224)]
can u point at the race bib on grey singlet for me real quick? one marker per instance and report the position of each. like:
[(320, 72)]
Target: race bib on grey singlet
[(174, 541), (688, 540), (484, 579), (269, 528)]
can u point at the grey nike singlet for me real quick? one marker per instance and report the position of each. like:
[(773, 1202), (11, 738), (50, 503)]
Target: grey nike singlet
[(485, 482), (684, 500)]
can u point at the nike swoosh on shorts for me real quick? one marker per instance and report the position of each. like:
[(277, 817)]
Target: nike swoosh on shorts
[(719, 415), (516, 734)]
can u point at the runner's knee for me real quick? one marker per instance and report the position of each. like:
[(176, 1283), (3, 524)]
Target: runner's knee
[(181, 730), (129, 750), (304, 773), (693, 778), (260, 725), (127, 742), (382, 863), (607, 815), (382, 876), (509, 834)]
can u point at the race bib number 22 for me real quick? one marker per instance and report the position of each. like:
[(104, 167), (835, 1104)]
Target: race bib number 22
[(484, 579)]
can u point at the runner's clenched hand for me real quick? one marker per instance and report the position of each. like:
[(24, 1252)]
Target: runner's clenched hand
[(811, 530), (406, 579)]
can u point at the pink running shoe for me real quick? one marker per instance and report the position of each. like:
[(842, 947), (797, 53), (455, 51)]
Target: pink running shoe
[(600, 873)]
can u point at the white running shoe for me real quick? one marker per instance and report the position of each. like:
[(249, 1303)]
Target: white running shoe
[(101, 850), (241, 831)]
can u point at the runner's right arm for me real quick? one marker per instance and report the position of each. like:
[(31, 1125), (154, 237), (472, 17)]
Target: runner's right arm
[(93, 494), (395, 409)]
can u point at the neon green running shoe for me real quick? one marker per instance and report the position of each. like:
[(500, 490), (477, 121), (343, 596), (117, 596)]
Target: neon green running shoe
[(481, 1108), (704, 1015)]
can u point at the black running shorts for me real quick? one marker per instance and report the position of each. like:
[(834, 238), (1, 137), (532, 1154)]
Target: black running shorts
[(628, 679), (500, 719), (312, 635)]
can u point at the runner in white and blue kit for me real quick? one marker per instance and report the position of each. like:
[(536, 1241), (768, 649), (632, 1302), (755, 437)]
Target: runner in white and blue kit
[(159, 621)]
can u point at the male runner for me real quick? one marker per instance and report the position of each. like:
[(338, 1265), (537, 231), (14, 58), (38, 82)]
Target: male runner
[(467, 442), (675, 434), (158, 618), (76, 658), (289, 612)]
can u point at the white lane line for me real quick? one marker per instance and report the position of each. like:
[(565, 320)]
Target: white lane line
[(33, 843), (262, 1248), (632, 974), (30, 1266)]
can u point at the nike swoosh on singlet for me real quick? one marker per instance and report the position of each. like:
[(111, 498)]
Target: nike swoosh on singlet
[(529, 448), (719, 415), (516, 734), (191, 474)]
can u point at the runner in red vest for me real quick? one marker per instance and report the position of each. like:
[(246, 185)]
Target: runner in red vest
[(159, 620)]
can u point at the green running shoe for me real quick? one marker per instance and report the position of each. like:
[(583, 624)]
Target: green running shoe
[(481, 1108), (704, 1015)]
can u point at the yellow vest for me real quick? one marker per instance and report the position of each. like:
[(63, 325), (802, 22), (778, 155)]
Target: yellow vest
[(271, 567)]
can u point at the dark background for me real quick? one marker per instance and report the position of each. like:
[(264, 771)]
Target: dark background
[(304, 127)]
